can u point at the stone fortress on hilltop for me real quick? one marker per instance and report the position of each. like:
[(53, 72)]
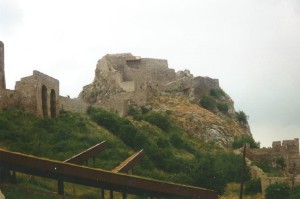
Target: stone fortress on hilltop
[(285, 153), (120, 78), (37, 94), (287, 150)]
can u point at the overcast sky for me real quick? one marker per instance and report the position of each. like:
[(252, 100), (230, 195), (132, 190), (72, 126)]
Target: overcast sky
[(251, 46)]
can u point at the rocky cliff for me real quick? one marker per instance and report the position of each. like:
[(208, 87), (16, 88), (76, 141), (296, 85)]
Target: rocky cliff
[(199, 105)]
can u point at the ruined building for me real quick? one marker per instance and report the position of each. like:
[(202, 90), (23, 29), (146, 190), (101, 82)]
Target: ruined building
[(2, 73), (120, 78), (37, 94), (288, 150)]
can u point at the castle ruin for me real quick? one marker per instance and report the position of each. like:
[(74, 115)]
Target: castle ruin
[(120, 78), (37, 94), (287, 150), (2, 73)]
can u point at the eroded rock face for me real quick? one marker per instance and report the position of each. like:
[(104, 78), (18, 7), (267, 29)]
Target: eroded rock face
[(121, 79), (124, 73), (200, 123)]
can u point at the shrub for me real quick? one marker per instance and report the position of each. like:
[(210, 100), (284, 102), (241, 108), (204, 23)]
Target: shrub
[(162, 143), (295, 192), (278, 191), (264, 166), (253, 186), (134, 112), (208, 103), (222, 107), (158, 119), (280, 163), (242, 117), (217, 92), (239, 142)]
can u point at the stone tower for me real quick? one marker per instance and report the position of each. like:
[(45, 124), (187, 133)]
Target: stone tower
[(2, 73)]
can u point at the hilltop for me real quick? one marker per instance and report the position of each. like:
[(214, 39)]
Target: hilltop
[(198, 104)]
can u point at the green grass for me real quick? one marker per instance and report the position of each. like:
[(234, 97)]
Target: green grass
[(170, 155)]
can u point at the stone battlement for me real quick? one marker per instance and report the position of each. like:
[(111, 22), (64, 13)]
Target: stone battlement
[(288, 150), (117, 74)]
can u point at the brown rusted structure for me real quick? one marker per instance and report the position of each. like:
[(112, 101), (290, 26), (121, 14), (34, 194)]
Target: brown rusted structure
[(89, 153), (97, 177), (125, 166)]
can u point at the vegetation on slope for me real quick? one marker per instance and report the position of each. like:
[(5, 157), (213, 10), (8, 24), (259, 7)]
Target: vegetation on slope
[(170, 154)]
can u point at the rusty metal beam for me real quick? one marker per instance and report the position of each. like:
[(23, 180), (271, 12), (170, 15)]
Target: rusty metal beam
[(97, 177), (89, 153), (125, 166)]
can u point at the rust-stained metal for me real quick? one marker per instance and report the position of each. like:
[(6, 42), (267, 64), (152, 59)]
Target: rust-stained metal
[(89, 153), (97, 177), (125, 166)]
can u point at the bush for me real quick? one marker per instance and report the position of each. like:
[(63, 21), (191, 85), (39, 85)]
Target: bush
[(278, 191), (253, 186), (217, 92), (222, 107), (239, 142), (264, 166), (158, 119), (295, 192), (242, 117), (208, 103), (162, 143)]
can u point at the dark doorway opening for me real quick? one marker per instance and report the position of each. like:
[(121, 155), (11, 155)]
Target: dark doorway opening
[(44, 101), (53, 103)]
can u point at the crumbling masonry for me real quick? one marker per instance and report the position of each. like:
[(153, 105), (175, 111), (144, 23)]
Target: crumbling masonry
[(288, 150), (123, 78), (37, 94)]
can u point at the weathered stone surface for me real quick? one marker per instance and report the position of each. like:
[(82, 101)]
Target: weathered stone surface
[(39, 94), (124, 73), (2, 72), (200, 123), (288, 150), (1, 195)]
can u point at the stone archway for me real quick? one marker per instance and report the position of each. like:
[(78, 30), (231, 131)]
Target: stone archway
[(53, 103), (44, 101)]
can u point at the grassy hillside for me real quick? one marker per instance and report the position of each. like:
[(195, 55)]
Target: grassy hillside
[(170, 154)]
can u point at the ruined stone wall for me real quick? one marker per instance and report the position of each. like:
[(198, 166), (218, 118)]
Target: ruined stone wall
[(288, 150), (9, 99), (39, 94), (2, 72), (154, 71), (74, 105), (291, 150), (128, 86), (202, 86)]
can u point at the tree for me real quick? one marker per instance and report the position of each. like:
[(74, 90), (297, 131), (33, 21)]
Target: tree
[(242, 117)]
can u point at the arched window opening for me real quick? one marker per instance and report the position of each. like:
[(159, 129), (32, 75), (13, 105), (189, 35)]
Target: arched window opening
[(44, 101), (53, 103)]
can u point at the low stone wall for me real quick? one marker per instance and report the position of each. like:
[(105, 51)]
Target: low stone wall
[(74, 105), (9, 99)]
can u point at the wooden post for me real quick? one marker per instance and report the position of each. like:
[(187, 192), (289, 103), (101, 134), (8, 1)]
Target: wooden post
[(102, 194), (60, 186), (243, 171), (111, 194)]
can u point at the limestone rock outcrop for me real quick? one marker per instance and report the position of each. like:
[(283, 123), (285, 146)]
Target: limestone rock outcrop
[(129, 77), (123, 79)]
